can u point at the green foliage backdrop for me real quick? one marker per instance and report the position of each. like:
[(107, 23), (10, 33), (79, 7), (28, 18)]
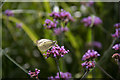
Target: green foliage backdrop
[(21, 46)]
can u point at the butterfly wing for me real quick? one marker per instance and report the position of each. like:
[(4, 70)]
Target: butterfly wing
[(45, 44)]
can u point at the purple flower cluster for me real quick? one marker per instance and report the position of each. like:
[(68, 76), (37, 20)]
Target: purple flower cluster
[(63, 15), (90, 54), (90, 3), (56, 52), (117, 33), (64, 76), (50, 24), (88, 21), (9, 13), (34, 74), (89, 57), (59, 30), (116, 46), (88, 64)]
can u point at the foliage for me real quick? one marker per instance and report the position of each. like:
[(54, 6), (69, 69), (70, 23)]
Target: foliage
[(21, 42)]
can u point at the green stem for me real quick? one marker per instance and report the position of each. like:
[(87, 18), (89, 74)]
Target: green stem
[(104, 30), (14, 62), (92, 38), (56, 60), (83, 76), (92, 47), (106, 52), (2, 3), (104, 71)]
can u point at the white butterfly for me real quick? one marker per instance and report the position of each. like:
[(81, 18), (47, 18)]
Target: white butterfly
[(45, 44)]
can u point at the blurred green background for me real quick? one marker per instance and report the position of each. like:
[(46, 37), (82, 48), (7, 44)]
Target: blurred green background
[(21, 47)]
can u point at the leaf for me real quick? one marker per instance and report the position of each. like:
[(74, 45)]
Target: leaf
[(30, 32)]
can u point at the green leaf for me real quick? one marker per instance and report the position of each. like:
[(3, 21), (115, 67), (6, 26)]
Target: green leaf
[(30, 32)]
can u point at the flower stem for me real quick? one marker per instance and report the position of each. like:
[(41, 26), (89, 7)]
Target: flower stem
[(56, 60), (104, 71), (118, 62), (83, 76), (106, 52), (2, 3), (14, 62)]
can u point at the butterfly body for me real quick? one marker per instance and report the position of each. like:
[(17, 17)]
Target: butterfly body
[(45, 44)]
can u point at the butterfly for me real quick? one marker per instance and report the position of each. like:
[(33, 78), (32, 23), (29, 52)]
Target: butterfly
[(45, 44)]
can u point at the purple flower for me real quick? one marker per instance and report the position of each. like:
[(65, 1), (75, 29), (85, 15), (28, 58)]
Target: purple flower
[(50, 24), (90, 54), (117, 33), (64, 29), (88, 64), (95, 44), (58, 31), (63, 15), (56, 52), (89, 57), (55, 15), (88, 20), (116, 46), (65, 76), (116, 56), (9, 13), (51, 78), (34, 74), (18, 25), (90, 3), (47, 21), (117, 25)]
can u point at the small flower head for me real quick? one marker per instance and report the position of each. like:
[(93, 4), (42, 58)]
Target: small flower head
[(18, 25), (95, 44), (116, 56), (9, 13), (51, 78), (90, 54), (88, 21), (88, 64), (117, 30), (65, 76), (117, 25), (50, 24), (56, 52), (116, 46), (34, 74), (117, 33)]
